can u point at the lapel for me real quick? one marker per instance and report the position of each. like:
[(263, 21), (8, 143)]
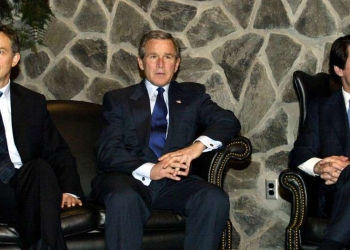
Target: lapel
[(339, 122), (17, 114), (141, 112), (178, 99)]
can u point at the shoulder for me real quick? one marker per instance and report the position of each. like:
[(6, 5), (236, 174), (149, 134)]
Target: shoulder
[(23, 92), (188, 87), (121, 93)]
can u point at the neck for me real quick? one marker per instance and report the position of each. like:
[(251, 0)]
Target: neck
[(4, 82)]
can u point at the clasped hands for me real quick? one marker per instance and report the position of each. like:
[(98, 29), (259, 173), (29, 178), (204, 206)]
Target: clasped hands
[(175, 164), (329, 169)]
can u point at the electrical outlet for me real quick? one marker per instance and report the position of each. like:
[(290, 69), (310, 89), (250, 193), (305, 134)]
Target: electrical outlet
[(271, 187)]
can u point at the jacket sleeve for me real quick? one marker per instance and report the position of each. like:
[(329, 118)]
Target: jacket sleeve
[(112, 152), (307, 144)]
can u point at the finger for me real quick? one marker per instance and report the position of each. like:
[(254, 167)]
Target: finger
[(64, 200), (174, 177), (170, 155), (182, 173), (68, 201), (170, 161), (79, 202), (63, 203)]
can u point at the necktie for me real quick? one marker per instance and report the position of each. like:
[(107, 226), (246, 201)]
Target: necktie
[(349, 114), (159, 124), (7, 169)]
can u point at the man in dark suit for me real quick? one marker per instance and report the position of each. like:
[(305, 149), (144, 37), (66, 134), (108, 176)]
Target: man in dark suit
[(38, 174), (323, 149), (146, 148)]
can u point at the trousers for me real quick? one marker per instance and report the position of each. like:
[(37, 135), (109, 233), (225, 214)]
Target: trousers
[(31, 203), (129, 204)]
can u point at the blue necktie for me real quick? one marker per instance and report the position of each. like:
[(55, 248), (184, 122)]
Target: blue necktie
[(159, 124), (7, 169)]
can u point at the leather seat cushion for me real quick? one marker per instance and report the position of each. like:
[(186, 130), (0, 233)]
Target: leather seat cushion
[(160, 220), (8, 234), (74, 221), (79, 219)]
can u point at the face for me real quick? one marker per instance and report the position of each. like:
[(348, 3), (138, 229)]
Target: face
[(7, 59), (159, 64)]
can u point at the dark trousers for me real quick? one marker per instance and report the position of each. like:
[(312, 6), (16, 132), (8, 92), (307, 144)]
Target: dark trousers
[(32, 201), (338, 228), (129, 204)]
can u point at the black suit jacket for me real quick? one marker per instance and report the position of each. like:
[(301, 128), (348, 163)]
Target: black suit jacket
[(36, 137), (123, 144), (325, 131)]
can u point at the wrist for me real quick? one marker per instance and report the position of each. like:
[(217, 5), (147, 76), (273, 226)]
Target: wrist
[(317, 168)]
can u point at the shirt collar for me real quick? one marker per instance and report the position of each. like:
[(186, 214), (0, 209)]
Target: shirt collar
[(152, 89), (5, 90)]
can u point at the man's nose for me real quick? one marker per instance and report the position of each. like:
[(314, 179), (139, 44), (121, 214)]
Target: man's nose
[(160, 62)]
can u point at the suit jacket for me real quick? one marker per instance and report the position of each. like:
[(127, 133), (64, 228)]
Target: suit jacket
[(123, 144), (325, 131), (36, 137)]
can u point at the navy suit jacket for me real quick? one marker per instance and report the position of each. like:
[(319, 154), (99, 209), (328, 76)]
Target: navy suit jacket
[(325, 131), (123, 144), (36, 137)]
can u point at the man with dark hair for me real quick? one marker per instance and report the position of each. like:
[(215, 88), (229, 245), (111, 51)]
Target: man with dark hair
[(146, 148), (38, 173), (323, 149)]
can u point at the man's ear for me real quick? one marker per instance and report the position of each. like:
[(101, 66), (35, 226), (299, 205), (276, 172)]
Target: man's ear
[(15, 59), (139, 60), (338, 71)]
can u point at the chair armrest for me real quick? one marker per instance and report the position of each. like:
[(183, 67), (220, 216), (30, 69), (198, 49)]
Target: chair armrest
[(300, 186), (211, 165)]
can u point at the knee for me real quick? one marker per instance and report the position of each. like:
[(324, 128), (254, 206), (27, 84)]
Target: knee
[(122, 198), (37, 169), (215, 199)]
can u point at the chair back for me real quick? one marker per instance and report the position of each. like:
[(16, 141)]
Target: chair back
[(80, 125), (308, 87)]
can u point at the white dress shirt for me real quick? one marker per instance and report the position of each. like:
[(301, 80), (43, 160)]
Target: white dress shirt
[(308, 166), (5, 109), (144, 171)]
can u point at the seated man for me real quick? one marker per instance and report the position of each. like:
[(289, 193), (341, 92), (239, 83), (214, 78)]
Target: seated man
[(323, 149), (146, 148), (38, 174)]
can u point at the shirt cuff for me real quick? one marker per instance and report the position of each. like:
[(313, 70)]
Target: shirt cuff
[(308, 166), (209, 143), (143, 173), (73, 195)]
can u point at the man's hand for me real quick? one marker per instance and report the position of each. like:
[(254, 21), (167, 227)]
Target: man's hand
[(70, 201), (329, 168), (171, 171), (175, 164)]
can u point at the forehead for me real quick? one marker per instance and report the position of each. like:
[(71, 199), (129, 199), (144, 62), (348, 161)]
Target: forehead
[(160, 46), (5, 42)]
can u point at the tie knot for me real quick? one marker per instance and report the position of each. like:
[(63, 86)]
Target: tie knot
[(1, 93), (160, 90)]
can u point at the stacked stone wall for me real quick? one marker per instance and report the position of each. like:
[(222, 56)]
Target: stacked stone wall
[(244, 51)]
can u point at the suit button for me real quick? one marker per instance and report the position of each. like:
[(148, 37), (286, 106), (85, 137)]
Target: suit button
[(143, 178)]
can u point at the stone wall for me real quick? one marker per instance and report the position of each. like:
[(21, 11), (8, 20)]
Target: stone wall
[(244, 52)]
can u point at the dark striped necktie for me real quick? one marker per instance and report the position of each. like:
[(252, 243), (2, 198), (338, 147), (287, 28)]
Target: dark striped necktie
[(7, 169)]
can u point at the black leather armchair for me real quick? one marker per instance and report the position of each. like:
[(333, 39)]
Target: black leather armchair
[(83, 227), (305, 229)]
